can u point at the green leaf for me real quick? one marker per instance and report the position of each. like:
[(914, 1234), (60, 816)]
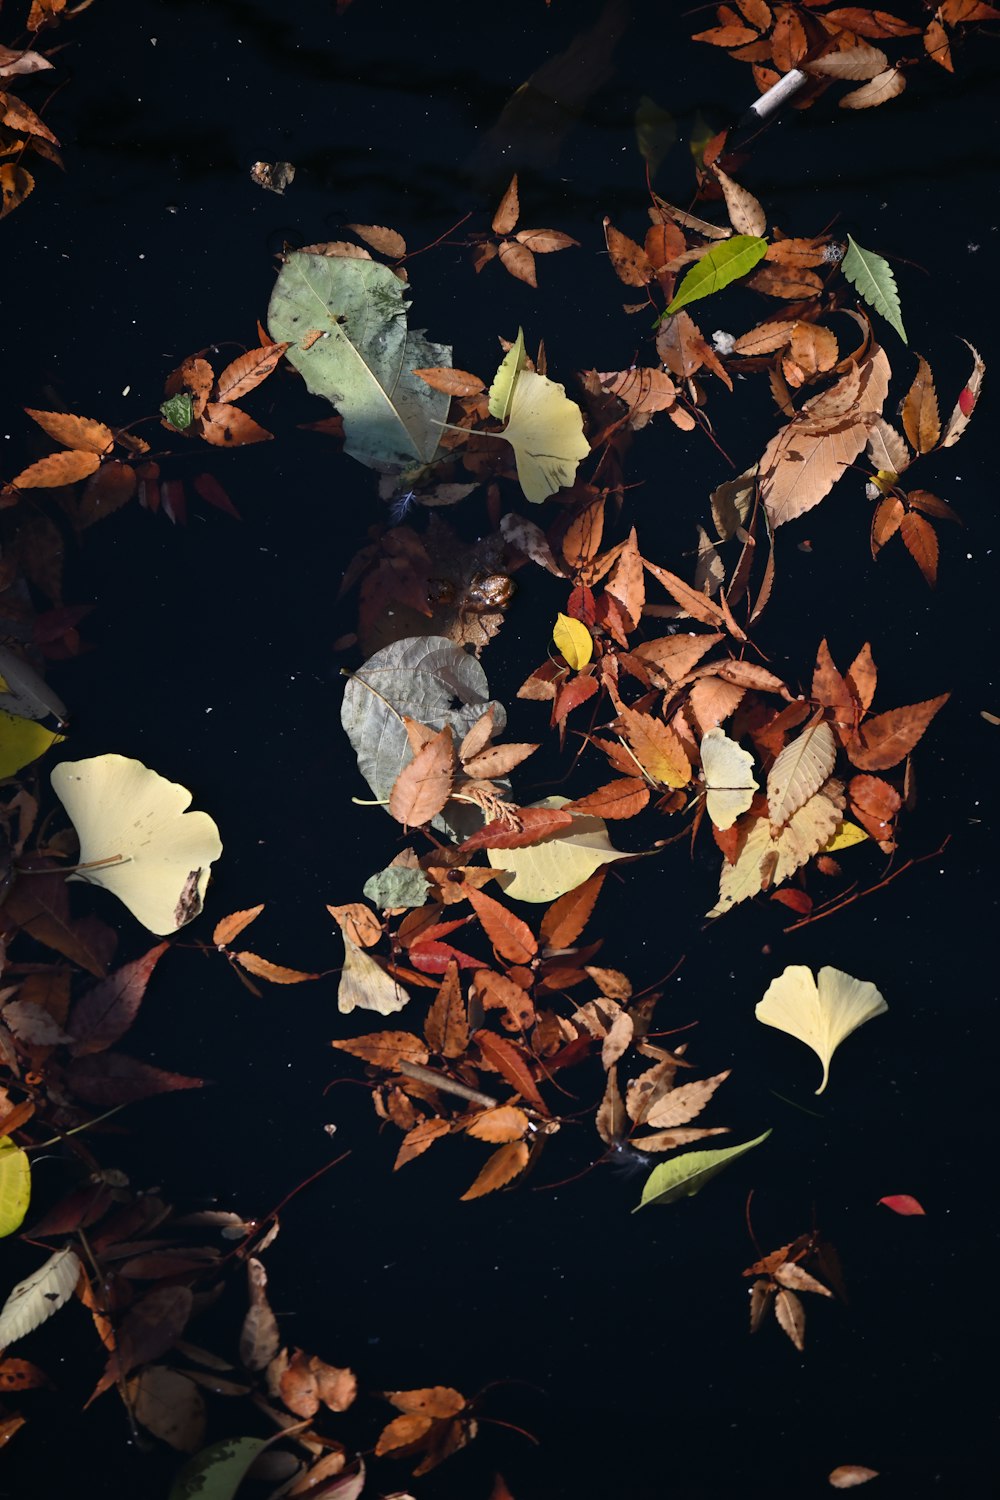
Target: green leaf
[(724, 263), (683, 1176), (345, 322), (435, 682), (397, 886), (655, 132), (15, 1186), (217, 1472), (873, 278), (22, 741), (557, 863), (179, 411)]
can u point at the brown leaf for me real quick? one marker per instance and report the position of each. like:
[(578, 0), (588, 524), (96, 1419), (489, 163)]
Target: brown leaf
[(566, 918), (386, 1049), (497, 760), (248, 372), (681, 1104), (612, 1123), (616, 799), (506, 215), (698, 605), (931, 506), (39, 905), (233, 925), (791, 1316), (505, 1123), (672, 657), (626, 582), (386, 241), (497, 992), (150, 1327), (628, 259), (921, 542), (745, 213), (15, 185), (502, 1167), (307, 1382), (57, 469), (419, 1139), (74, 432), (544, 241), (880, 90), (111, 1078), (226, 426), (921, 420), (508, 1060), (262, 968), (849, 1476), (886, 521), (108, 1009), (358, 923), (862, 677), (452, 382), (643, 389), (424, 785), (518, 261), (885, 740), (511, 937)]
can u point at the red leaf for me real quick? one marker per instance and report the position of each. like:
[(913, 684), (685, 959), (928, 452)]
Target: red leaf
[(566, 918), (114, 1078), (107, 1011), (512, 938), (536, 823), (616, 799), (902, 1203)]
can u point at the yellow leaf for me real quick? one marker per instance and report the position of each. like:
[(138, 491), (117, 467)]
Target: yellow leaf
[(823, 1014), (544, 427), (365, 983), (557, 863), (15, 1186), (153, 854), (574, 641), (22, 741), (729, 780), (505, 379), (845, 837)]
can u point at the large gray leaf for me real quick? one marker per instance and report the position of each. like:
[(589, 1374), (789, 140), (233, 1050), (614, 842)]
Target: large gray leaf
[(430, 679), (364, 358)]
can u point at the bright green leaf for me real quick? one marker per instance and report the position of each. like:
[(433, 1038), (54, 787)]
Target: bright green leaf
[(22, 741), (15, 1186), (574, 641), (217, 1472), (557, 863), (345, 322), (872, 277), (179, 411), (683, 1176), (725, 262)]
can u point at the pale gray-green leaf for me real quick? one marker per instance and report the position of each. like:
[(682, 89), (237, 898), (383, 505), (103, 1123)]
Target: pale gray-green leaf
[(217, 1472), (433, 681), (364, 358), (40, 1295), (872, 277), (683, 1176), (397, 886)]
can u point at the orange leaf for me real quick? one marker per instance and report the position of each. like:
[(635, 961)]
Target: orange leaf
[(447, 1026), (502, 1167), (506, 215), (921, 542), (234, 924), (616, 799), (424, 785), (386, 241), (247, 372), (566, 918), (512, 938), (627, 583), (884, 740), (74, 432), (452, 382), (497, 992), (386, 1049), (57, 469), (276, 973), (509, 1061), (657, 748), (506, 1123), (921, 420), (420, 1139), (536, 823), (358, 922), (629, 259), (401, 1432), (227, 426), (699, 606), (886, 521), (429, 1401), (15, 185)]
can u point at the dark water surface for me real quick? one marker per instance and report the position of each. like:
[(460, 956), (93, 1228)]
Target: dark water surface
[(625, 1336)]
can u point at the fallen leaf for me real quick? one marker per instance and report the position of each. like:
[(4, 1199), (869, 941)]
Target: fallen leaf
[(365, 983), (820, 1014), (902, 1203), (849, 1476), (683, 1176), (502, 1167)]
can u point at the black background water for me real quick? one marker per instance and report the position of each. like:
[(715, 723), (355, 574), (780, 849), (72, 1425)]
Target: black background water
[(214, 665)]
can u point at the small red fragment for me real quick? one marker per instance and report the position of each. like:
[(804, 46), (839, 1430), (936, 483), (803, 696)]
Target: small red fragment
[(966, 401), (902, 1203)]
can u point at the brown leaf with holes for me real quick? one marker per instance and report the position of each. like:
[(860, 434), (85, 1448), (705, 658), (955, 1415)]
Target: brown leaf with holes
[(628, 259), (248, 371), (678, 1105), (226, 426), (386, 1049), (502, 1167), (497, 992)]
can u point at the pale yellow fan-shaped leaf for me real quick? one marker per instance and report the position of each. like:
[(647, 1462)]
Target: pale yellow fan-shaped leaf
[(545, 430), (799, 772), (820, 1014), (159, 854), (767, 858), (364, 984), (729, 779), (557, 863), (505, 379)]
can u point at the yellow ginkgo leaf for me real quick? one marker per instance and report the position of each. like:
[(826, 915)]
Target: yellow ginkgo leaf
[(134, 826), (544, 427), (729, 780), (823, 1014), (573, 641)]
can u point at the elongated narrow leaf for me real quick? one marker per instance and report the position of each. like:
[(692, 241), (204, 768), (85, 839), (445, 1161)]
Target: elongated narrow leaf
[(873, 278), (683, 1176), (724, 263)]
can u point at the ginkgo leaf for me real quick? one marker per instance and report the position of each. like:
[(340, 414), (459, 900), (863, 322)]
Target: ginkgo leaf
[(364, 984), (729, 780), (545, 430), (823, 1014), (799, 772), (559, 862), (872, 276), (502, 390), (573, 640), (40, 1295), (683, 1176), (15, 1185), (722, 264), (159, 855)]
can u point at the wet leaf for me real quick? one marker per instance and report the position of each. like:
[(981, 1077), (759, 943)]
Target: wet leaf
[(107, 1010), (886, 739), (873, 278), (799, 771), (386, 1049), (920, 410), (58, 468), (22, 741), (502, 1167), (902, 1203), (447, 1024), (74, 432), (217, 1472), (424, 785), (170, 1406), (849, 1476), (557, 863), (15, 1187), (729, 778), (723, 264), (545, 430), (820, 1014), (791, 1317), (358, 922), (39, 1295), (233, 925), (263, 968), (683, 1176), (574, 641), (364, 984), (511, 937)]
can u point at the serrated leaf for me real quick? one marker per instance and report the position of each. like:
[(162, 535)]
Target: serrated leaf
[(799, 772), (40, 1295), (873, 279), (723, 264), (683, 1176)]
